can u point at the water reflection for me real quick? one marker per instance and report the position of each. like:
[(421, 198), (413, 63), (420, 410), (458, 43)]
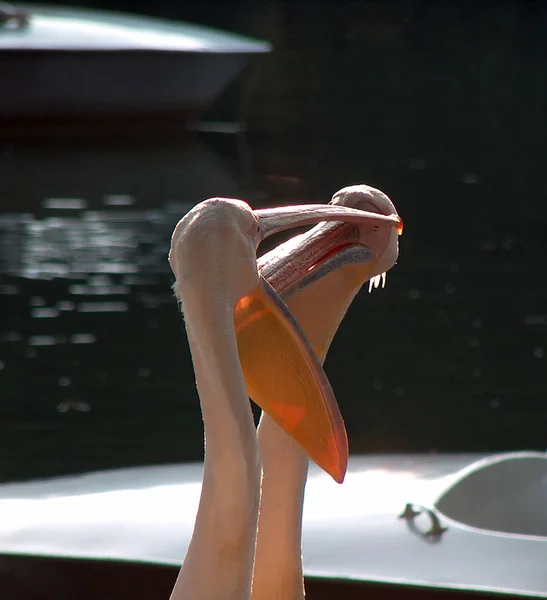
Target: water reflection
[(90, 338), (92, 242)]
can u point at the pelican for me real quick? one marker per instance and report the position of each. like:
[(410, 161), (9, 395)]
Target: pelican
[(246, 342)]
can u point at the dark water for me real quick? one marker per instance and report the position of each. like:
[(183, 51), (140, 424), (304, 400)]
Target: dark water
[(443, 107)]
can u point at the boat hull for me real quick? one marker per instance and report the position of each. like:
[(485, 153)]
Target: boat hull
[(144, 517), (65, 63), (108, 85)]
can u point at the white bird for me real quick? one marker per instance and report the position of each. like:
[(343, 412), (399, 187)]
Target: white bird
[(245, 342)]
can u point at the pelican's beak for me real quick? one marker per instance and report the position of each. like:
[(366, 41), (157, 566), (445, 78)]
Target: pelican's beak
[(274, 220), (283, 374)]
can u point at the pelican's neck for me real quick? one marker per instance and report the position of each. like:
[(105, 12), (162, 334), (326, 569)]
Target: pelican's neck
[(278, 572), (220, 558)]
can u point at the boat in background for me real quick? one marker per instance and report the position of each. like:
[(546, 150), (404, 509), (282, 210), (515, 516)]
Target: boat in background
[(418, 527), (64, 64)]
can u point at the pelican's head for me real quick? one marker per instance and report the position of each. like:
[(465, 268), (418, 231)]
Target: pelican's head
[(213, 253), (214, 247), (381, 241)]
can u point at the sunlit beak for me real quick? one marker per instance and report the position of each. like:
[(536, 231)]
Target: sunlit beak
[(274, 220), (283, 374)]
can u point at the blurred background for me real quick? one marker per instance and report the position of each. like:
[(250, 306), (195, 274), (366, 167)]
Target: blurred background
[(441, 104)]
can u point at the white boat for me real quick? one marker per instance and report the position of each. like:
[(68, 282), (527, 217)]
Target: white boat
[(410, 526), (67, 63)]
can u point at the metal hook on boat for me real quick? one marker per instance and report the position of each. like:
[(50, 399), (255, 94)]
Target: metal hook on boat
[(412, 510), (13, 18)]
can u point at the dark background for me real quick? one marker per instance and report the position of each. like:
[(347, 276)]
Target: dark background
[(440, 104)]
